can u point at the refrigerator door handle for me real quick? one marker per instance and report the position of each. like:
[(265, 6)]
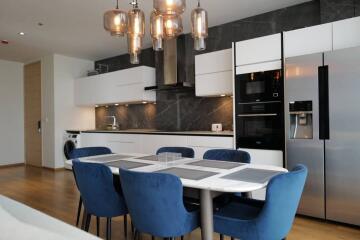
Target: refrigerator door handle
[(324, 123)]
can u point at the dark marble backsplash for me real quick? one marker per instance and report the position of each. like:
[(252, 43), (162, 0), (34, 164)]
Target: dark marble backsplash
[(183, 111), (178, 112)]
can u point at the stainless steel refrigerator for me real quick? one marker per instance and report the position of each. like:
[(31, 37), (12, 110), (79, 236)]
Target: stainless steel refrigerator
[(322, 116)]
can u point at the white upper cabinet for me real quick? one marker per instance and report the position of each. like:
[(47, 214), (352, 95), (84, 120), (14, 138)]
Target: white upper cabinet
[(346, 33), (214, 73), (124, 86), (308, 40), (258, 50)]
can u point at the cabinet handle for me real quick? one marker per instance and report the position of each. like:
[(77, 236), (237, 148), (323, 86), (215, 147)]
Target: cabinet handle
[(258, 115)]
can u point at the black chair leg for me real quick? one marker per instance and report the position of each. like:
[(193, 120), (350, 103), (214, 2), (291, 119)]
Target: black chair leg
[(152, 238), (232, 238), (136, 234), (79, 212), (132, 227), (182, 237), (87, 222), (97, 226), (125, 226), (83, 221), (108, 229), (221, 237)]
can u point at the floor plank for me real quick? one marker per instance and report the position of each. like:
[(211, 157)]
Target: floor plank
[(55, 193)]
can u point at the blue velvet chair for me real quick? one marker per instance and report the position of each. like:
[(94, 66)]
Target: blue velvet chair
[(185, 152), (249, 219), (100, 198), (227, 155), (155, 204), (87, 152)]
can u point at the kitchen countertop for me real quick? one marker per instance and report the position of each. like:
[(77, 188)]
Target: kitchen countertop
[(159, 132)]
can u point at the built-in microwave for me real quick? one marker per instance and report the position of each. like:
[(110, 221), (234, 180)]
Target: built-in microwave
[(259, 86)]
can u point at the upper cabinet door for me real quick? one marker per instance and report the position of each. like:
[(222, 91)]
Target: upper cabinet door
[(214, 73), (218, 61), (346, 33), (309, 40), (257, 50)]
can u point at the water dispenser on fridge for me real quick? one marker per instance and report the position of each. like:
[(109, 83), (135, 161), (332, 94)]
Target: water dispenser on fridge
[(301, 120)]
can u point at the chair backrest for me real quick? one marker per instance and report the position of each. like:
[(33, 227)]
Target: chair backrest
[(282, 200), (155, 202), (88, 152), (96, 186), (185, 152), (227, 155)]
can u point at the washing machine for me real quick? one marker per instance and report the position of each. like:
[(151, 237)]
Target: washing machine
[(71, 141)]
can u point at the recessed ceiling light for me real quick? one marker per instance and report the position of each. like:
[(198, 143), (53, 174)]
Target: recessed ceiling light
[(116, 104), (96, 106), (144, 102), (21, 33), (222, 95)]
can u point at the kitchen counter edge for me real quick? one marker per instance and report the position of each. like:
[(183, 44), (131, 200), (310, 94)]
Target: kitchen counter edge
[(185, 133)]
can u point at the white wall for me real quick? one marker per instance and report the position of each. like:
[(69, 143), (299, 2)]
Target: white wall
[(59, 108), (11, 113)]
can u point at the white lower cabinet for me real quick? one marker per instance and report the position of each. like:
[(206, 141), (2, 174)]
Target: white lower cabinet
[(202, 144), (118, 143), (149, 144)]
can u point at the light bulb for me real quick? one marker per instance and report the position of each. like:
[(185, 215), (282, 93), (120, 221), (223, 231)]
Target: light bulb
[(157, 30)]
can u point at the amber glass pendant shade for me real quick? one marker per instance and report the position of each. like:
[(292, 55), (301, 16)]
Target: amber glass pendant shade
[(115, 22), (157, 30), (173, 26), (199, 27), (170, 6), (136, 32)]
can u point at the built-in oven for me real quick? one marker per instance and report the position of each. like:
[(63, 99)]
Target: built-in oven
[(259, 125), (259, 86)]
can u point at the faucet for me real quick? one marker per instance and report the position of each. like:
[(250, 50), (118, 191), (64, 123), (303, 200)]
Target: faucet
[(114, 124)]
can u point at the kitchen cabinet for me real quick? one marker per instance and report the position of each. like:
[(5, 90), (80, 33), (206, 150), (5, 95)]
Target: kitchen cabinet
[(202, 144), (308, 40), (124, 86), (346, 33), (258, 50), (118, 143), (214, 74), (150, 143)]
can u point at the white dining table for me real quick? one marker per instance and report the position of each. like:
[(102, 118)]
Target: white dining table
[(219, 180)]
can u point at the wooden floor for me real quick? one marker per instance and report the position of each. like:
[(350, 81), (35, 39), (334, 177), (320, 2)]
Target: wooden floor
[(55, 193)]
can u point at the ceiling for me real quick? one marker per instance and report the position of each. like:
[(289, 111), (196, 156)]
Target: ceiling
[(74, 27)]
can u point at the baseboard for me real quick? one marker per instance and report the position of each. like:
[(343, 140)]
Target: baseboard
[(55, 169), (12, 165)]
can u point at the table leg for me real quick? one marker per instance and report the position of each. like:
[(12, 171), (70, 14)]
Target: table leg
[(207, 223)]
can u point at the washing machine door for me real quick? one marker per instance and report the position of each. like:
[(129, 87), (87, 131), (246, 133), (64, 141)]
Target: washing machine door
[(68, 147)]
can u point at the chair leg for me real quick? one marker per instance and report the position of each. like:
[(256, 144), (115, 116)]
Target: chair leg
[(97, 226), (232, 238), (125, 226), (83, 221), (182, 237), (136, 234), (108, 229), (152, 238), (221, 237), (132, 227), (79, 212), (87, 222)]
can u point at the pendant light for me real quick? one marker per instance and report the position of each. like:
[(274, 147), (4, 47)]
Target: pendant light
[(115, 21), (157, 30), (199, 24), (173, 26), (136, 32), (170, 6)]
